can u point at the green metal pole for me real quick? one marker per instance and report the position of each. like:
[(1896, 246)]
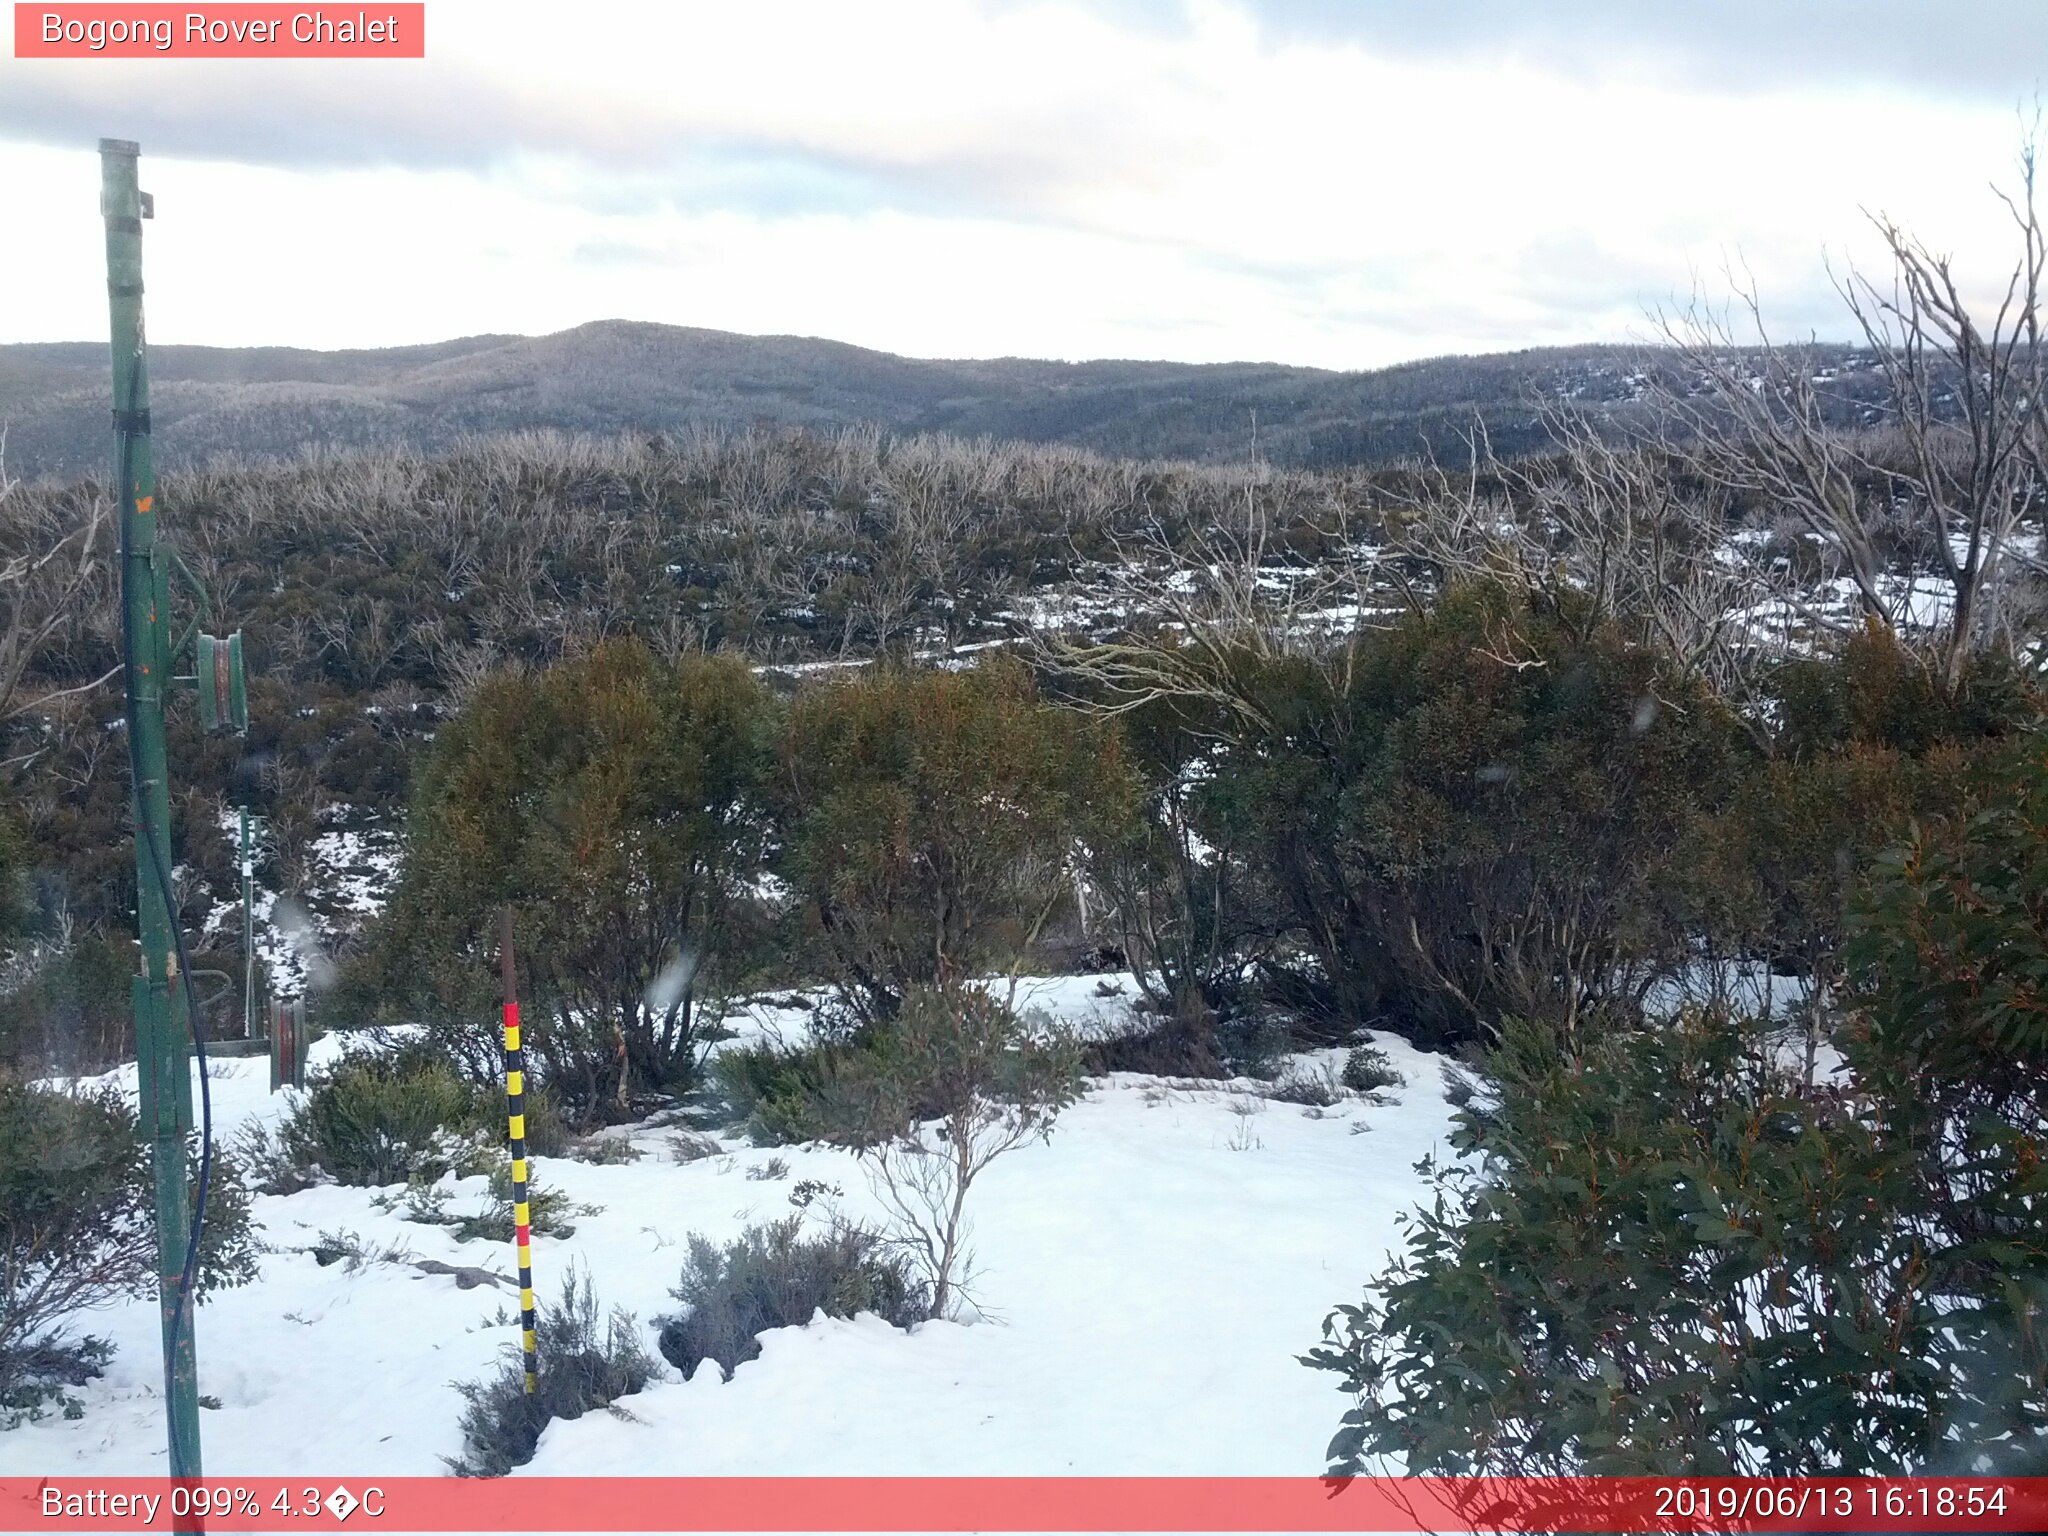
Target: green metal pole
[(163, 1039), (248, 937)]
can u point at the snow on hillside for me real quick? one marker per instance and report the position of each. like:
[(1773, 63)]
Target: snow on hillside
[(1150, 1276), (348, 872)]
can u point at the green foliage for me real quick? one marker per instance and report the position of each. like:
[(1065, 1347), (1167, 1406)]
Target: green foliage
[(34, 1378), (1952, 943), (613, 802), (551, 1212), (1486, 810), (67, 1010), (774, 1277), (14, 897), (928, 819), (960, 1056), (1663, 1255), (1948, 958), (1252, 1045), (581, 1368), (1661, 1260), (1170, 1047), (386, 1116), (1876, 693), (1306, 1086), (605, 1151), (1367, 1070), (1167, 860), (77, 1229), (777, 1088), (1866, 740)]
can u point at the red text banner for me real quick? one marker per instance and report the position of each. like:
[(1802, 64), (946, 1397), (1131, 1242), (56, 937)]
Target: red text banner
[(374, 31), (1194, 1504)]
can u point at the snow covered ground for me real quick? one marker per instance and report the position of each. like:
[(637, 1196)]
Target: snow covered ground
[(1150, 1275)]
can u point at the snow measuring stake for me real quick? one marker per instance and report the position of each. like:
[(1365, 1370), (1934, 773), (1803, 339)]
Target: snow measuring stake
[(165, 1037), (515, 1125)]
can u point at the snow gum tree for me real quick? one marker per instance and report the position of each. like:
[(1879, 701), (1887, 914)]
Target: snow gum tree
[(931, 821), (1485, 812), (613, 802)]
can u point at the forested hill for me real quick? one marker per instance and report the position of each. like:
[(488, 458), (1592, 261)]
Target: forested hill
[(623, 376)]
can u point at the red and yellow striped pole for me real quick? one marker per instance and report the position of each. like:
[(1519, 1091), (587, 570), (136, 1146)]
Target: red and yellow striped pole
[(515, 1109)]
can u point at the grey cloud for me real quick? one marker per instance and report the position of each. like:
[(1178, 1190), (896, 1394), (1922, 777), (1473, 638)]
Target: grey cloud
[(306, 120), (292, 117), (1992, 50)]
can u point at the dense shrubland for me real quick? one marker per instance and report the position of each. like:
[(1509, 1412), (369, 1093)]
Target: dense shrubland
[(1666, 1249), (379, 591), (1689, 787), (1497, 806), (1670, 1245), (1504, 810)]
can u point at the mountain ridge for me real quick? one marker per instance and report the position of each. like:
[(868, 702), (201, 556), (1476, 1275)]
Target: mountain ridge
[(620, 376)]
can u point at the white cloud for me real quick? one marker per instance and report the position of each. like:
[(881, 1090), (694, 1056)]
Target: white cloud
[(947, 178)]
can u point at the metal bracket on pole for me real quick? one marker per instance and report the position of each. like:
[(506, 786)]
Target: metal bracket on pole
[(223, 687)]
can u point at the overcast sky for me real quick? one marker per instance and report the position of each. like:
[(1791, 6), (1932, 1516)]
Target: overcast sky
[(1344, 183)]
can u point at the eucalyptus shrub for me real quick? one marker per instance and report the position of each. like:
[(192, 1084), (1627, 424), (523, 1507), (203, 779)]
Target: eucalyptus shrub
[(1654, 1258), (1948, 955), (77, 1233)]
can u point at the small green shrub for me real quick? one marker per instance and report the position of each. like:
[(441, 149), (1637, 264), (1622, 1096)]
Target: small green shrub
[(773, 1277), (953, 1082), (551, 1211), (778, 1089), (1252, 1045), (1318, 1090), (602, 1151), (693, 1147), (581, 1368), (356, 1253), (1169, 1047), (804, 1191), (34, 1377), (381, 1116), (1367, 1070), (77, 1229), (426, 1204)]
